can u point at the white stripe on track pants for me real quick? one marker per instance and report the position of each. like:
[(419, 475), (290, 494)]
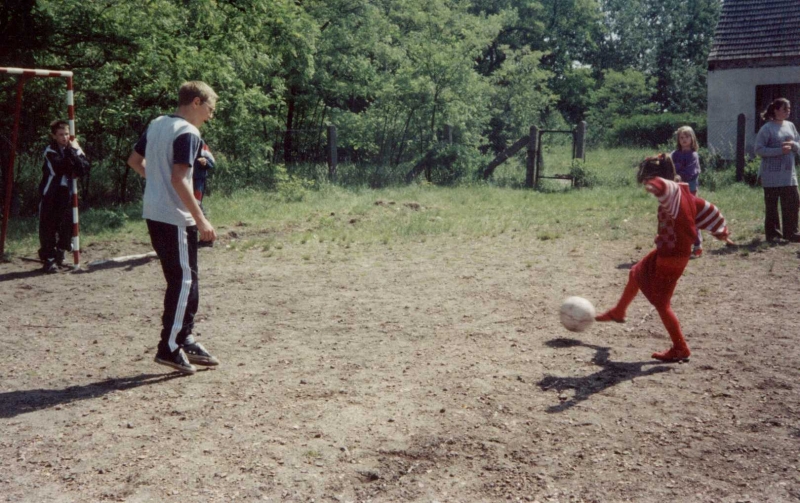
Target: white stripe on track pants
[(176, 247)]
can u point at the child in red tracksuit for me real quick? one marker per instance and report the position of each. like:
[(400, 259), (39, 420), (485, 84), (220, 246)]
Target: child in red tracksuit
[(680, 214)]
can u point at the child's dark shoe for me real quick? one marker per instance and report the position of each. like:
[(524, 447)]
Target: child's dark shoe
[(610, 316), (673, 354)]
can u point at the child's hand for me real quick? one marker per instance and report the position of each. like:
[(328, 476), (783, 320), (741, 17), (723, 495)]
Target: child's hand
[(649, 187), (726, 236), (786, 147), (202, 161)]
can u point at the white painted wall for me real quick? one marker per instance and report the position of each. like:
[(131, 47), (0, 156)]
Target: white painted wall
[(731, 92)]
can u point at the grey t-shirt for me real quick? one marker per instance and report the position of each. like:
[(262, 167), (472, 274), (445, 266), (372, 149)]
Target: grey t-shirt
[(169, 140), (777, 168)]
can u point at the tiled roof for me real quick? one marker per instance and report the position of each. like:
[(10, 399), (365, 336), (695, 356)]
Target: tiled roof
[(752, 30)]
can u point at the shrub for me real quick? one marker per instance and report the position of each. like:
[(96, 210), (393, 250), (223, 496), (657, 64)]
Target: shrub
[(712, 161), (751, 171), (99, 220), (581, 176), (654, 130), (451, 164), (291, 188)]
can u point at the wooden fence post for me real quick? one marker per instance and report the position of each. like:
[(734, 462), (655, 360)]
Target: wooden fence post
[(580, 141), (539, 158), (333, 159), (533, 148), (741, 122)]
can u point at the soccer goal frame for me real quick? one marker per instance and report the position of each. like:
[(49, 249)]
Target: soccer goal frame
[(23, 75)]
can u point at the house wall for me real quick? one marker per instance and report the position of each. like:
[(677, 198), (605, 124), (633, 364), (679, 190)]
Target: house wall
[(731, 92)]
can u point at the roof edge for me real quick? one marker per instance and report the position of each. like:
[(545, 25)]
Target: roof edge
[(730, 64)]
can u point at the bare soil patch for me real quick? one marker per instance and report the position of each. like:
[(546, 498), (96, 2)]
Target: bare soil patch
[(433, 371)]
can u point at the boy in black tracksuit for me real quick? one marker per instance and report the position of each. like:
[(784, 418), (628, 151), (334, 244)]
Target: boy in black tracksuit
[(63, 160)]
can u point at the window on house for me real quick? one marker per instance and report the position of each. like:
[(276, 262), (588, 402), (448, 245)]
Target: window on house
[(765, 95)]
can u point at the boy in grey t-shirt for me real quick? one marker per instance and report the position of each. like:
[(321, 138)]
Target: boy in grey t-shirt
[(164, 155)]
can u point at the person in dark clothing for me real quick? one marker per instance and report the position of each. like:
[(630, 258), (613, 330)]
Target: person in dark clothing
[(202, 165), (63, 160)]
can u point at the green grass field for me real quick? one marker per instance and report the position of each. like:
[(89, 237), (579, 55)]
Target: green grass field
[(329, 217)]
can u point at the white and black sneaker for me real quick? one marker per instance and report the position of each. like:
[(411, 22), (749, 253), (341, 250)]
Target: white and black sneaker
[(197, 354), (50, 266), (177, 360)]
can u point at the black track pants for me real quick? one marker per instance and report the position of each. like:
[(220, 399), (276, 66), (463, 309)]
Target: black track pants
[(55, 222), (176, 247)]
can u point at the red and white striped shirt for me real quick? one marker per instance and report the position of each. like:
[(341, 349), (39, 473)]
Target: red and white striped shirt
[(680, 215)]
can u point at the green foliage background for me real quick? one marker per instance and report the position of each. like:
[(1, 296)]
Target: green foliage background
[(388, 73)]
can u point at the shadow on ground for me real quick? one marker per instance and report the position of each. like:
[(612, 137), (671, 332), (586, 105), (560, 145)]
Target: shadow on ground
[(14, 403), (611, 374), (13, 276), (127, 264)]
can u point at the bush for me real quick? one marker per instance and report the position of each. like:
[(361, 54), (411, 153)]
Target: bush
[(99, 220), (712, 161), (581, 176), (291, 189), (654, 130), (448, 164), (751, 171)]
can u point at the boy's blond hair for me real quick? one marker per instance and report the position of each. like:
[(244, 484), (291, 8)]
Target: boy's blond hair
[(690, 131), (195, 89)]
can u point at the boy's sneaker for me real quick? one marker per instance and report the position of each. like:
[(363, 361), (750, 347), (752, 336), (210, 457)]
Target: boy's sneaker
[(61, 255), (177, 360), (196, 353), (50, 266), (697, 253)]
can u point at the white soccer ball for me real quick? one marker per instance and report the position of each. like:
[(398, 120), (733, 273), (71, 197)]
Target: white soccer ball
[(577, 314)]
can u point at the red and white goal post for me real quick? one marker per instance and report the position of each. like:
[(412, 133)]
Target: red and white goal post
[(25, 74)]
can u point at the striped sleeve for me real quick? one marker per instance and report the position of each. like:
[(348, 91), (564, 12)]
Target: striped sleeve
[(668, 195), (710, 219)]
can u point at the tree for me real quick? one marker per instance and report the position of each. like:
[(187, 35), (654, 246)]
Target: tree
[(621, 94), (667, 39)]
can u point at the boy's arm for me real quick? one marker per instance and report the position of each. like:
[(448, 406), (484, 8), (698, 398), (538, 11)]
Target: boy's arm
[(80, 164), (136, 160), (184, 190), (137, 163)]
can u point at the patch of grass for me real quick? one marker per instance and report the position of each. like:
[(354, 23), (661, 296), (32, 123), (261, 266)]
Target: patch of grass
[(613, 208)]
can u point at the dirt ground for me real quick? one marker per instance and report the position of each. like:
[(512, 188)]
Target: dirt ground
[(433, 372)]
